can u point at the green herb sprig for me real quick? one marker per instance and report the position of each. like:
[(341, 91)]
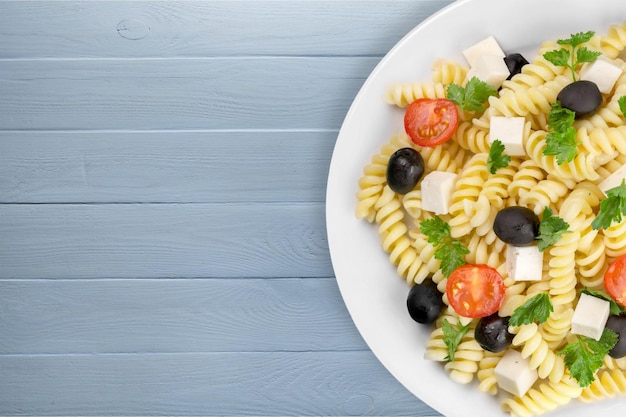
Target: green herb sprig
[(551, 228), (584, 357), (472, 97), (497, 158), (612, 208), (452, 336), (448, 250), (574, 55), (561, 137), (536, 309)]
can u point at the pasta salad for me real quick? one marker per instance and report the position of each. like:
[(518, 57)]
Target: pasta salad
[(501, 204)]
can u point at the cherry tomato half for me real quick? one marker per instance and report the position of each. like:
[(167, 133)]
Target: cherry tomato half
[(431, 121), (615, 280), (475, 290)]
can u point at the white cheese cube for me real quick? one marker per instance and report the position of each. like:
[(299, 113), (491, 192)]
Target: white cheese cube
[(510, 131), (613, 180), (488, 46), (437, 189), (513, 373), (603, 71), (491, 69), (524, 263), (590, 316)]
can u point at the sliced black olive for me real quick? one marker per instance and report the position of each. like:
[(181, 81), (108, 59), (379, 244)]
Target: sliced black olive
[(514, 63), (424, 302), (405, 169), (492, 333), (582, 97), (516, 225), (618, 325)]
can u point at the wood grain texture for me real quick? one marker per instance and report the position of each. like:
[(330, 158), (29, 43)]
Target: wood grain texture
[(174, 316), (162, 177), (208, 28), (219, 384), (164, 167), (163, 240), (210, 93)]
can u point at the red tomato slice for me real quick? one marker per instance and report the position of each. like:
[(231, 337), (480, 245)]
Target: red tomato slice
[(431, 121), (475, 290), (615, 280)]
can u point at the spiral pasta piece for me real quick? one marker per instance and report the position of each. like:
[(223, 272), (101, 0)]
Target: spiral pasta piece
[(613, 43), (449, 157), (546, 193), (614, 241), (392, 228), (448, 72), (538, 72), (582, 167), (613, 138), (486, 372), (472, 137), (466, 361), (533, 103), (496, 187), (526, 178), (556, 328), (467, 189), (374, 178), (436, 348), (486, 250), (412, 203), (403, 94), (613, 363), (533, 346), (546, 397), (608, 384)]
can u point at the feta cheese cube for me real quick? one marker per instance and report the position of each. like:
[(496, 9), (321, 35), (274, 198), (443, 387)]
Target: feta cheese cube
[(437, 189), (603, 71), (491, 69), (513, 373), (524, 263), (488, 46), (613, 180), (590, 316), (510, 131)]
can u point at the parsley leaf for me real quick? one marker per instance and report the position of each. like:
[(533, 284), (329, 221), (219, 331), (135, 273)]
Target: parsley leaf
[(536, 308), (585, 356), (561, 137), (575, 55), (615, 308), (612, 208), (452, 336), (577, 39), (551, 228), (622, 105), (473, 97), (497, 158), (448, 250)]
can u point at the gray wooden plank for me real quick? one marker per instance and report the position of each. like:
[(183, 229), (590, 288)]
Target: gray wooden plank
[(163, 240), (193, 28), (180, 94), (164, 167), (169, 316), (215, 384)]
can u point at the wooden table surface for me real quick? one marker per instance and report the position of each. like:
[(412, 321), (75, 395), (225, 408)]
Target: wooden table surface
[(163, 169)]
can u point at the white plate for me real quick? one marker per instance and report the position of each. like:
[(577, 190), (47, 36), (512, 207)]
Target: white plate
[(373, 293)]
